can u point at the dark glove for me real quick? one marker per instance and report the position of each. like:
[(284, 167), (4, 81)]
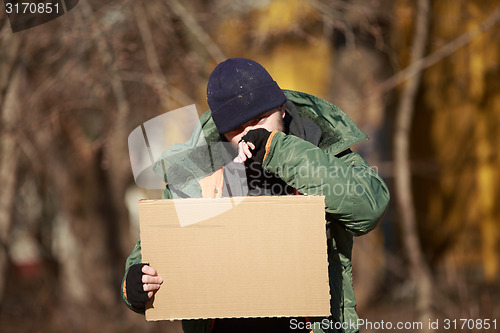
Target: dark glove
[(135, 290), (259, 138)]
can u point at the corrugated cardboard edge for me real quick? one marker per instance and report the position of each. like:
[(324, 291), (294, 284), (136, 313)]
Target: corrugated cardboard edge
[(265, 199)]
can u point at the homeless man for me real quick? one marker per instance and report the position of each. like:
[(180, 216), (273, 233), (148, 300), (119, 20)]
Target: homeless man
[(275, 133)]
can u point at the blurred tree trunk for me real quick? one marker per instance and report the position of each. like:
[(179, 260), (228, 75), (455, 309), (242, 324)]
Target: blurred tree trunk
[(11, 83), (87, 251), (419, 269)]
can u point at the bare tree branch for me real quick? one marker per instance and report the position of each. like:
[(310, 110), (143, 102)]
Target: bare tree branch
[(117, 135), (192, 24), (159, 80), (147, 39), (419, 65), (336, 19), (107, 57), (176, 94), (419, 269)]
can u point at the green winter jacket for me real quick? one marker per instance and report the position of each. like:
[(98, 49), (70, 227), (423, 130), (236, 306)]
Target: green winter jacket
[(355, 196)]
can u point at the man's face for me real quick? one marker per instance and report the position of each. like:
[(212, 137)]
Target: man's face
[(271, 120)]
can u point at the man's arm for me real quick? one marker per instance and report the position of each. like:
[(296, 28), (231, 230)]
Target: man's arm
[(139, 282), (149, 279), (354, 193), (134, 258)]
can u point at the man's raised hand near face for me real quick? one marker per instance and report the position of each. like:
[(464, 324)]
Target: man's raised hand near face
[(253, 145)]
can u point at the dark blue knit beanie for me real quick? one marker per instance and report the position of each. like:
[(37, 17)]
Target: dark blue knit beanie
[(239, 90)]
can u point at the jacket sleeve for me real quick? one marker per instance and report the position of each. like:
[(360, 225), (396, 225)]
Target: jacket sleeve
[(355, 195), (135, 257)]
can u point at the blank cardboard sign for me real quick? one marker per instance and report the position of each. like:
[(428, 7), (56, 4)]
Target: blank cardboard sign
[(264, 257)]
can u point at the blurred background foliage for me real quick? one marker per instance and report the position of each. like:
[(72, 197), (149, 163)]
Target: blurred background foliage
[(72, 90)]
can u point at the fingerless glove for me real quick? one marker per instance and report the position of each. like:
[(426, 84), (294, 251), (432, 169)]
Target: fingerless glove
[(134, 286), (259, 138)]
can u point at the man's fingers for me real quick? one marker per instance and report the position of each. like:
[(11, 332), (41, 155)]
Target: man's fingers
[(241, 157), (244, 152), (151, 279), (246, 145), (150, 286), (146, 269)]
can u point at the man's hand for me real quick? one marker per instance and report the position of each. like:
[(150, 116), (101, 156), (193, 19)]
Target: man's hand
[(253, 145), (141, 283), (244, 151)]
